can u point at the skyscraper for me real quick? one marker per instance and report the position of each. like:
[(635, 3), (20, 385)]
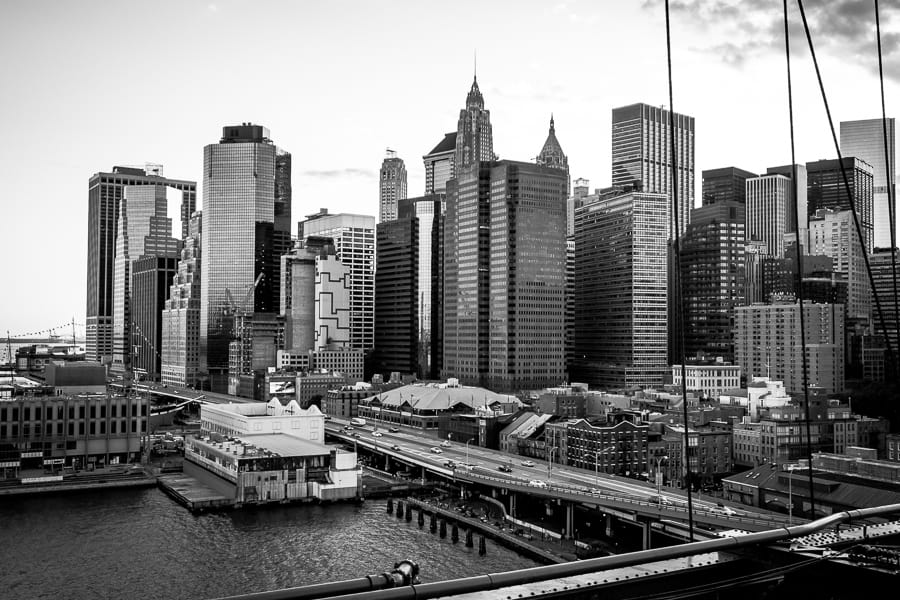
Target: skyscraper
[(727, 184), (621, 289), (354, 242), (397, 294), (439, 164), (865, 140), (237, 241), (504, 295), (552, 154), (825, 189), (642, 156), (768, 202), (796, 220), (144, 230), (712, 277), (105, 192), (832, 234), (180, 347), (474, 137), (391, 186), (150, 277)]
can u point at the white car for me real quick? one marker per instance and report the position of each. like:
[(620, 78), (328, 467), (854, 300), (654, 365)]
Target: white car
[(436, 450), (376, 434), (537, 483), (724, 509), (445, 443), (527, 463)]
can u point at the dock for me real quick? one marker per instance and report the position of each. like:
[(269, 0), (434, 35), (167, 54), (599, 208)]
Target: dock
[(510, 541), (192, 494)]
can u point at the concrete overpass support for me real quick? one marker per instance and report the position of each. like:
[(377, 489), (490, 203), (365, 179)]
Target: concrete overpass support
[(570, 520), (645, 534), (609, 526), (512, 505)]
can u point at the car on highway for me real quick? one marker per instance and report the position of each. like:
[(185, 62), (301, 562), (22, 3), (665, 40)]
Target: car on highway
[(504, 469), (449, 464), (724, 509), (436, 450), (376, 434), (348, 428), (527, 463), (537, 483), (395, 447), (662, 500), (445, 444), (394, 429), (356, 434)]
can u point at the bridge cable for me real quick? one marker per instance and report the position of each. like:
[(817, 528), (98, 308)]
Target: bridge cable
[(891, 193), (686, 466), (797, 246), (853, 211)]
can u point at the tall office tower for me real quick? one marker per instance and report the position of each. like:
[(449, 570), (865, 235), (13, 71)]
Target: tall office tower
[(504, 295), (237, 240), (768, 201), (474, 138), (882, 274), (832, 234), (397, 294), (150, 276), (825, 189), (143, 230), (391, 186), (796, 224), (552, 155), (712, 278), (727, 184), (439, 164), (180, 347), (281, 235), (642, 156), (105, 191), (354, 242), (767, 344), (429, 214), (865, 140), (621, 289)]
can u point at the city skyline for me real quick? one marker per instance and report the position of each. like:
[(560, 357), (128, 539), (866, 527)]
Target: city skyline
[(78, 106)]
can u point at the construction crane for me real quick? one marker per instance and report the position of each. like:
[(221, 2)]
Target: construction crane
[(232, 308)]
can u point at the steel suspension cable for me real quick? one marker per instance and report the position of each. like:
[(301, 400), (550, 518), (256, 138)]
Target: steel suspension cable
[(803, 361), (889, 182), (686, 466), (846, 181)]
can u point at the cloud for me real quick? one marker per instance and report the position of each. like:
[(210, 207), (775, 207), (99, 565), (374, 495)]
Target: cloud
[(338, 173), (212, 7), (746, 29)]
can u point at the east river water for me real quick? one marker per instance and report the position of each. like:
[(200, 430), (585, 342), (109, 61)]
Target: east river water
[(140, 544)]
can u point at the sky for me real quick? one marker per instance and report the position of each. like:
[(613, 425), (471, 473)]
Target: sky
[(92, 84)]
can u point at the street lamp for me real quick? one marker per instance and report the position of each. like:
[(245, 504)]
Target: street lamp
[(596, 467), (790, 469), (550, 465), (467, 451), (659, 478)]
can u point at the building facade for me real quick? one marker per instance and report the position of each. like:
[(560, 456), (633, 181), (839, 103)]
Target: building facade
[(391, 186), (237, 240), (440, 164), (768, 343), (642, 157), (621, 290), (865, 139), (180, 337), (826, 189), (354, 242), (105, 193), (728, 184), (769, 199), (713, 278)]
